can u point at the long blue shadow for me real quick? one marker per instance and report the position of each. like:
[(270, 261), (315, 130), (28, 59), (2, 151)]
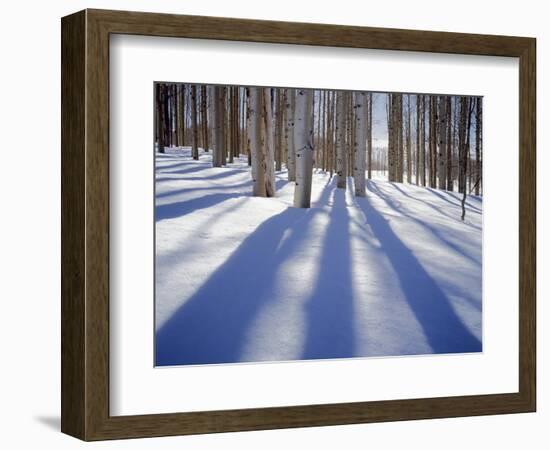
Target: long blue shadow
[(215, 176), (178, 209), (430, 205), (211, 327), (279, 184), (449, 194), (444, 330), (329, 310), (372, 187), (187, 168), (201, 189)]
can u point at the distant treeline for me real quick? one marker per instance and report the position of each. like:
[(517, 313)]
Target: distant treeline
[(432, 140)]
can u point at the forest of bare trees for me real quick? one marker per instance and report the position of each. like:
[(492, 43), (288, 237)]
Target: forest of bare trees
[(427, 140)]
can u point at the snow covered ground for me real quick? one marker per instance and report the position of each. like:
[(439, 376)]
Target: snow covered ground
[(240, 278)]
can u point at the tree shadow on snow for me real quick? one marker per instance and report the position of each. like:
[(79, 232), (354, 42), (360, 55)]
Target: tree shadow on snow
[(211, 327), (186, 167), (444, 330), (329, 310), (201, 189), (178, 209), (215, 176), (445, 196), (439, 210), (372, 187)]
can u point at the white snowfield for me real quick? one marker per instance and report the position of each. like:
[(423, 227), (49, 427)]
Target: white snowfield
[(241, 279)]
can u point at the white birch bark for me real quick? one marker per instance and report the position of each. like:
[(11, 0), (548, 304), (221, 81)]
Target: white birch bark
[(408, 142), (255, 139), (360, 142), (195, 147), (269, 144), (291, 150), (341, 163), (369, 136), (217, 125), (442, 147), (303, 139)]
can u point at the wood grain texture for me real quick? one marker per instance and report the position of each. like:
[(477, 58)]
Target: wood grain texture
[(527, 223), (72, 224), (85, 224)]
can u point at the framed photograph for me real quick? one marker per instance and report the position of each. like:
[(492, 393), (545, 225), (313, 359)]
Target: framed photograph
[(271, 224)]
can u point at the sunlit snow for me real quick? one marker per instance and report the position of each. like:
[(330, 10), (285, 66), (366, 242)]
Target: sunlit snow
[(240, 278)]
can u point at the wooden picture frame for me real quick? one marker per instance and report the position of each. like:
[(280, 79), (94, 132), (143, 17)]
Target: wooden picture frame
[(85, 224)]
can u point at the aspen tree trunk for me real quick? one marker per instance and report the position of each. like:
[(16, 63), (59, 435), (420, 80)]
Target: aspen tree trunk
[(291, 150), (423, 142), (244, 138), (236, 124), (269, 143), (330, 132), (326, 145), (360, 141), (470, 169), (282, 134), (180, 121), (479, 174), (431, 127), (168, 114), (466, 155), (173, 116), (369, 136), (211, 111), (341, 163), (303, 138), (351, 144), (331, 156), (235, 121), (230, 126), (223, 117), (218, 113), (464, 142), (409, 151), (417, 165), (161, 118), (456, 146), (157, 114), (248, 127), (430, 141), (177, 118), (462, 153), (255, 140), (449, 156), (433, 141), (195, 148), (442, 144), (317, 146), (325, 129), (391, 136), (399, 130), (335, 132), (183, 119), (204, 118), (174, 137), (279, 136), (285, 101)]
